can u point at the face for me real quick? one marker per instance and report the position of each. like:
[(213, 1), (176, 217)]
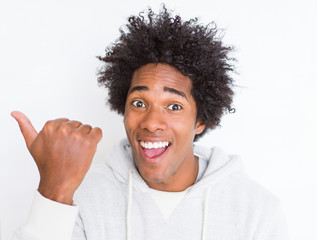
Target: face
[(160, 122)]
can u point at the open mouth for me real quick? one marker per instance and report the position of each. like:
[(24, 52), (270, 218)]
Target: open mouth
[(154, 149)]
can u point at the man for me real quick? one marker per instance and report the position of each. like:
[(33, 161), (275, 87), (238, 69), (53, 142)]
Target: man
[(171, 81)]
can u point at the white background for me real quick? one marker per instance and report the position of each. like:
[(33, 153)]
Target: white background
[(48, 70)]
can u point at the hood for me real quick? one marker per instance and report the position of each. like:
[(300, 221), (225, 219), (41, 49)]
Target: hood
[(220, 165)]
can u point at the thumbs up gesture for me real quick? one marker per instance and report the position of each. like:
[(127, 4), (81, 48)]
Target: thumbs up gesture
[(63, 151)]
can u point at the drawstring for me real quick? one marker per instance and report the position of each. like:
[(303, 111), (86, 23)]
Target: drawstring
[(205, 217), (206, 200), (129, 203)]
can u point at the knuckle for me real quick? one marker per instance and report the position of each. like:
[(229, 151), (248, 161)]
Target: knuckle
[(49, 125), (64, 128), (86, 143), (76, 136)]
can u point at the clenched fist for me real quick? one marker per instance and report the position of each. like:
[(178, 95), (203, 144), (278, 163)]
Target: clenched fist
[(63, 151)]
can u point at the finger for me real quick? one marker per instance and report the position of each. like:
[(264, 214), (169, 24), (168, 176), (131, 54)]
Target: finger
[(96, 134), (60, 120), (85, 128), (28, 131), (74, 124), (55, 123)]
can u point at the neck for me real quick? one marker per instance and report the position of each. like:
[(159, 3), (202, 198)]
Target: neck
[(183, 178)]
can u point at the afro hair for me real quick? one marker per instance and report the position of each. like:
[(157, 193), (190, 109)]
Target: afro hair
[(193, 49)]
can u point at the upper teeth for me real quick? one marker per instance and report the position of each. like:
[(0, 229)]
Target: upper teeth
[(150, 145)]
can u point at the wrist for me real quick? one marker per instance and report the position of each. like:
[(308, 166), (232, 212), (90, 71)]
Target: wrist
[(56, 194)]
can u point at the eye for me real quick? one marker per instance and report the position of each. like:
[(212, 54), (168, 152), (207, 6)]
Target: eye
[(174, 107), (138, 104)]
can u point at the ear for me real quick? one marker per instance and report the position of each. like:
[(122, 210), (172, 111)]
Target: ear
[(200, 126)]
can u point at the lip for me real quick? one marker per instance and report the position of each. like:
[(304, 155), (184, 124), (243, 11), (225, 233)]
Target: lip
[(154, 160)]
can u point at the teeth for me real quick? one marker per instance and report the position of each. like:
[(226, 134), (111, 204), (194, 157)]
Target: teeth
[(150, 145)]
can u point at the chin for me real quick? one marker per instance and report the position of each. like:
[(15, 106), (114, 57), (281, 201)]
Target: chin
[(153, 177)]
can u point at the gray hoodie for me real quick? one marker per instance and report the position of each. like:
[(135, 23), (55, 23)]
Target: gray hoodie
[(115, 203)]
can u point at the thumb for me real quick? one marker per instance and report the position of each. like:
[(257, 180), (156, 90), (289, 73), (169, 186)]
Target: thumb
[(28, 131)]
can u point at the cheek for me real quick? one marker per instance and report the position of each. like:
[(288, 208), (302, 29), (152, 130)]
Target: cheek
[(127, 123), (131, 122), (184, 127)]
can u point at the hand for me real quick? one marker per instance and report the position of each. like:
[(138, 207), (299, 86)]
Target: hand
[(63, 151)]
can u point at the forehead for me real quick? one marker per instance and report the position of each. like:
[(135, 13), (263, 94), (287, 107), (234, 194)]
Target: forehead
[(159, 76)]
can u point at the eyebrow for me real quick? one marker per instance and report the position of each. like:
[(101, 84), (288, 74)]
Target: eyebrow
[(173, 90), (138, 88), (166, 89)]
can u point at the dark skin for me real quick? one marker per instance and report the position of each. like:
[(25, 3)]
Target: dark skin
[(160, 108), (63, 150)]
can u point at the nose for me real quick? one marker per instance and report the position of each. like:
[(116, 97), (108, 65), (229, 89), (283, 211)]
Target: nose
[(154, 120)]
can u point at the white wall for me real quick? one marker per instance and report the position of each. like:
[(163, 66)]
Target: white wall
[(48, 66)]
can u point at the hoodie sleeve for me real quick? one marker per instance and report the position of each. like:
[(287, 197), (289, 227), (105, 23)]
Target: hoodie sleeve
[(48, 220), (273, 225)]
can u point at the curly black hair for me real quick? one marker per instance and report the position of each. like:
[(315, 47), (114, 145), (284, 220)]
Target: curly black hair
[(193, 49)]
